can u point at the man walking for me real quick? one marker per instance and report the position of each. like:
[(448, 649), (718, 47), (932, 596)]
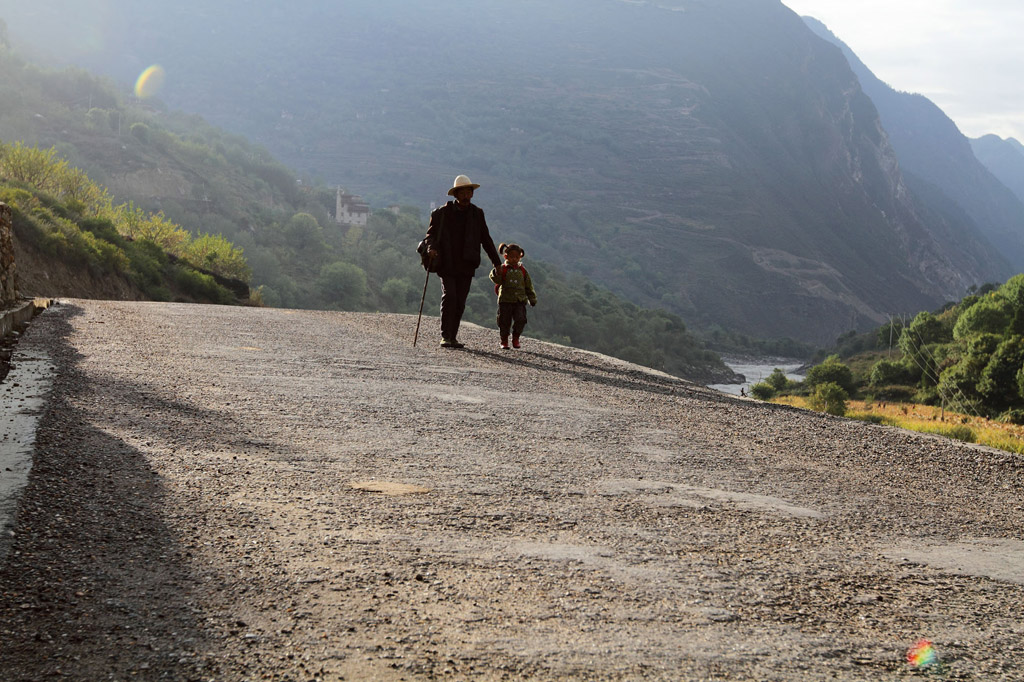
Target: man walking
[(456, 233)]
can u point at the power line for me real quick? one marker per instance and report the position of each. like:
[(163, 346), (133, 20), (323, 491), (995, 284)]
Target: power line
[(962, 401)]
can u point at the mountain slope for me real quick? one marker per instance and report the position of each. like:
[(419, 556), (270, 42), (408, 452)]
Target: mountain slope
[(929, 144), (719, 160)]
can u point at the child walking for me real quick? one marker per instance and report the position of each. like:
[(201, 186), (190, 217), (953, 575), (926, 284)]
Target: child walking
[(514, 288)]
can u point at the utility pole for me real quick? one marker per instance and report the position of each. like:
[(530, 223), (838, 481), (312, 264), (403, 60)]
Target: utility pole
[(890, 336)]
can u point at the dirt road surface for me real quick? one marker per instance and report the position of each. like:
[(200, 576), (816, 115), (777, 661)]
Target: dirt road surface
[(226, 493)]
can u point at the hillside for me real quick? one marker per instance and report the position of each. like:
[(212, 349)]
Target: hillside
[(716, 159), (297, 254)]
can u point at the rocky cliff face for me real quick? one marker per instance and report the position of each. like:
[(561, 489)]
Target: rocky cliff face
[(8, 284), (930, 147)]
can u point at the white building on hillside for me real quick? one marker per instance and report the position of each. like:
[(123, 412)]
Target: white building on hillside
[(350, 209)]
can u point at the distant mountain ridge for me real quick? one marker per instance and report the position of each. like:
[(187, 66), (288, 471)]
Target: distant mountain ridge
[(719, 160), (1004, 158)]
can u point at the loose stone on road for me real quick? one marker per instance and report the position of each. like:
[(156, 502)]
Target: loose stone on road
[(224, 493)]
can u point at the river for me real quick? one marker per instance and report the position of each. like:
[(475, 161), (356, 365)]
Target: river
[(756, 370)]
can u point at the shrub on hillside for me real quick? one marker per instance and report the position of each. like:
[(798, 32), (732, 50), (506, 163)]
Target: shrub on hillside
[(990, 315), (895, 393), (762, 391), (833, 371), (200, 286), (998, 384), (778, 380), (887, 372), (960, 381), (960, 432), (829, 397), (1014, 416), (343, 284)]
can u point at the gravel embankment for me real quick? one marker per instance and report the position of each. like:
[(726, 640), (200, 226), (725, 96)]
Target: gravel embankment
[(228, 493)]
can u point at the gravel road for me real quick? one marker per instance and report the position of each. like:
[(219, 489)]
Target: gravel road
[(223, 493)]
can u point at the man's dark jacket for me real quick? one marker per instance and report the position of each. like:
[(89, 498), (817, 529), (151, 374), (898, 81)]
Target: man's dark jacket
[(458, 234)]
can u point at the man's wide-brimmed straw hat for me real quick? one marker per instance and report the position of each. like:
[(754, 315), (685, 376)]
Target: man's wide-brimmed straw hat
[(462, 182)]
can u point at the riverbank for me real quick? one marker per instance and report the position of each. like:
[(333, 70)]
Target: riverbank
[(755, 370)]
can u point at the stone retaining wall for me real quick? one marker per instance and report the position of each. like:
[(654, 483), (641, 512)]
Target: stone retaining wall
[(8, 289)]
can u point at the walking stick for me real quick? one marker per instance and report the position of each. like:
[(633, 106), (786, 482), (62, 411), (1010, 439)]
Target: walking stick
[(420, 316)]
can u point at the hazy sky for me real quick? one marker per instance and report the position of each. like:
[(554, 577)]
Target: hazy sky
[(967, 56)]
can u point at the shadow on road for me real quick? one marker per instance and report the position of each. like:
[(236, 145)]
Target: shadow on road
[(96, 585), (606, 375)]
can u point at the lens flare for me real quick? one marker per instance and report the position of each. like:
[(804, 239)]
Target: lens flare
[(150, 81), (922, 654)]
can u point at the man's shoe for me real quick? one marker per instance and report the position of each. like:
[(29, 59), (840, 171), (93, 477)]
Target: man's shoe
[(445, 343), (504, 343), (515, 342)]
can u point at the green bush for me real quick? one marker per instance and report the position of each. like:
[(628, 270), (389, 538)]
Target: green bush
[(1014, 416), (829, 397), (960, 381), (894, 394), (777, 380), (147, 266), (990, 315), (887, 372), (831, 371), (960, 432), (201, 287), (998, 384), (104, 229), (140, 131), (344, 284), (762, 391), (398, 294)]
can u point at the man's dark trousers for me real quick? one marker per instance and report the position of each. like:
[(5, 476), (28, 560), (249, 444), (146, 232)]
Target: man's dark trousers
[(454, 291)]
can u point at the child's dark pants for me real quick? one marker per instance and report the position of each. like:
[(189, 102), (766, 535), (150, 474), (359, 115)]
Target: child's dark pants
[(511, 316)]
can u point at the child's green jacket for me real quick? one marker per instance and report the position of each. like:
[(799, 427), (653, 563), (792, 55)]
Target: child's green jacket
[(513, 284)]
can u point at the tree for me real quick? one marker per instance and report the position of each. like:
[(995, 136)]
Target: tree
[(397, 293), (344, 284), (140, 131), (777, 380), (998, 382), (30, 165), (887, 372), (991, 315), (215, 253), (303, 232), (889, 333), (832, 370), (926, 330), (958, 384)]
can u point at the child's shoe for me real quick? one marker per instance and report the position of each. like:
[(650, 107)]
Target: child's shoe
[(504, 343), (515, 342)]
